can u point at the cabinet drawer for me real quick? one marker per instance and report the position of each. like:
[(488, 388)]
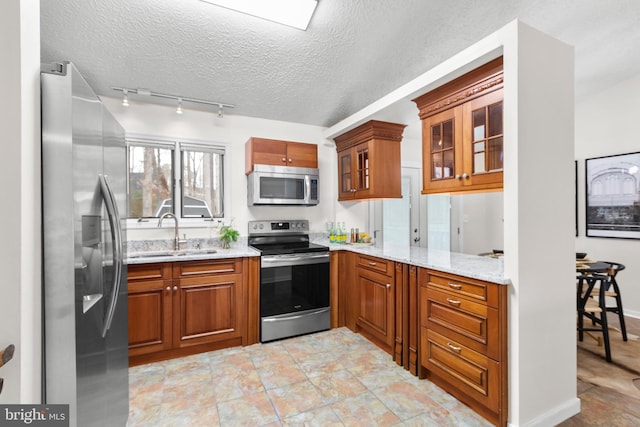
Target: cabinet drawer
[(216, 266), (472, 324), (474, 374), (157, 271), (376, 264), (471, 289)]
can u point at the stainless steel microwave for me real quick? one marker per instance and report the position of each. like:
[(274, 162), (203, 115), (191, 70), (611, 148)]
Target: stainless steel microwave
[(282, 185)]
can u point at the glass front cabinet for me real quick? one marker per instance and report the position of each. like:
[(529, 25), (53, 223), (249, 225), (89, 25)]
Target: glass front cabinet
[(462, 133), (369, 161)]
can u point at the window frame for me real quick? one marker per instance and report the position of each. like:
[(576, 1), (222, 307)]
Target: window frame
[(176, 145)]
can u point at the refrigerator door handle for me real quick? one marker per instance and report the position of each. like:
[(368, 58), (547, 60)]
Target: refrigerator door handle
[(116, 235)]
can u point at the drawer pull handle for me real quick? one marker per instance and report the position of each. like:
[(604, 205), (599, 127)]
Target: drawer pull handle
[(453, 347), (373, 264), (455, 286), (453, 301)]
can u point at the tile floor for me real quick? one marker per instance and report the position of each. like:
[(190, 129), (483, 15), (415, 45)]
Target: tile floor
[(332, 378)]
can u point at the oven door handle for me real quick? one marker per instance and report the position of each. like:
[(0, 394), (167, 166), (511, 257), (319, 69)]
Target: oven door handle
[(290, 260), (286, 317)]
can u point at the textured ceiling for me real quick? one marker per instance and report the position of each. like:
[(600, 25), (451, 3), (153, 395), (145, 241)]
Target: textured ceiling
[(353, 52)]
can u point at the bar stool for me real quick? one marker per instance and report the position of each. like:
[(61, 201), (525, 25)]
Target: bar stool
[(589, 308), (612, 272)]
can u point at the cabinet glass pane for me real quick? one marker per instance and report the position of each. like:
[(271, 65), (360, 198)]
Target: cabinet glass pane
[(478, 162), (495, 160), (447, 171), (436, 138), (346, 173), (447, 134), (437, 166), (479, 121), (495, 119)]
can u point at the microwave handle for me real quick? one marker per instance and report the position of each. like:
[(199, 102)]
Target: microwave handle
[(307, 189)]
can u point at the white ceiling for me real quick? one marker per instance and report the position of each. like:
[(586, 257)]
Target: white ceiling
[(353, 52)]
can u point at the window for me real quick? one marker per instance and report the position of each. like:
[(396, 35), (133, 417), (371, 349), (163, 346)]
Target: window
[(150, 181), (164, 174), (202, 195)]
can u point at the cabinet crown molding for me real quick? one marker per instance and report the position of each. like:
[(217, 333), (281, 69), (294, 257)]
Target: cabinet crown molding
[(484, 79), (373, 129)]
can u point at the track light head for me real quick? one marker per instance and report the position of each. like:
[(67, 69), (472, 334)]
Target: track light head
[(125, 98), (179, 109)]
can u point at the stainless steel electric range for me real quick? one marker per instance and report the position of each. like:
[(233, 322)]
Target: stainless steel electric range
[(294, 279)]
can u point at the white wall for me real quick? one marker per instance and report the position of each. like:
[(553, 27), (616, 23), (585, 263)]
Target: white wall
[(606, 124), (154, 120), (20, 250)]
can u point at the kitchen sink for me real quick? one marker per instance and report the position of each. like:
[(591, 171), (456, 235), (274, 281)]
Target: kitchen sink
[(182, 252)]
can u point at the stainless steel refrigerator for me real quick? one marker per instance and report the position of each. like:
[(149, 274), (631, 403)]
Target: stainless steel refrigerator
[(85, 285)]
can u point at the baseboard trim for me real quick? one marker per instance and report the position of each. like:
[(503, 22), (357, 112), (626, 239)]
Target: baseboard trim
[(555, 416)]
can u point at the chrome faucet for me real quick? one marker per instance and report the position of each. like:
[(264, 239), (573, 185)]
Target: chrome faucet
[(176, 237)]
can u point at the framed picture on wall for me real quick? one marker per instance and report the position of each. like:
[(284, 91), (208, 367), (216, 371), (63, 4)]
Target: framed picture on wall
[(613, 196), (575, 177)]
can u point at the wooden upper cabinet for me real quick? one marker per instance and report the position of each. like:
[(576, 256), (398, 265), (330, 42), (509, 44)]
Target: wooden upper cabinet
[(462, 132), (261, 151), (369, 161)]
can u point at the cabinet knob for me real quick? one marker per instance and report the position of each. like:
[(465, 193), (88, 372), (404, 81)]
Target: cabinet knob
[(168, 288), (388, 286), (459, 177), (284, 159), (175, 288), (290, 160), (465, 176)]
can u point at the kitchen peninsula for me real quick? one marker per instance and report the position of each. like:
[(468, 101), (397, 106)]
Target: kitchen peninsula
[(441, 315)]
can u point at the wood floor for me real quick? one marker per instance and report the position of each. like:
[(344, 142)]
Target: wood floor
[(604, 406)]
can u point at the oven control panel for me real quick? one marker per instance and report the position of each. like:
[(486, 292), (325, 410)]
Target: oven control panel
[(300, 226)]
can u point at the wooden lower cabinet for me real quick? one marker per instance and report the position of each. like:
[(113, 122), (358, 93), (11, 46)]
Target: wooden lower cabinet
[(375, 312), (181, 308), (463, 344)]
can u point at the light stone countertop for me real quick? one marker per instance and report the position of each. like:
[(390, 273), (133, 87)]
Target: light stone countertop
[(150, 251), (484, 268), (476, 267)]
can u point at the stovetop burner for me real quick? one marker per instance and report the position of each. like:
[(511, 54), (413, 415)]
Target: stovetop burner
[(282, 237)]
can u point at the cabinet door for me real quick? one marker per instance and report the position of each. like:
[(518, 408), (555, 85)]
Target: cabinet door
[(150, 307), (268, 152), (208, 309), (483, 141), (441, 152), (376, 307), (346, 175), (302, 155)]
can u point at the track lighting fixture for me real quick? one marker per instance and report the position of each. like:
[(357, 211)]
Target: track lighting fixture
[(180, 99), (125, 98)]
